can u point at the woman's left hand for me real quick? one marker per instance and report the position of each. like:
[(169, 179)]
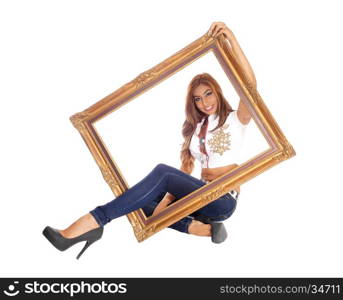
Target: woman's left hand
[(218, 28), (209, 174), (212, 173)]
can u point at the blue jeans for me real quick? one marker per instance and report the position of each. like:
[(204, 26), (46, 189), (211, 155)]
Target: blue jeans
[(148, 192)]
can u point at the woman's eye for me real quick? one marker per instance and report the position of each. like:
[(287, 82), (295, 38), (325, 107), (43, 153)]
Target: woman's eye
[(196, 99), (209, 94)]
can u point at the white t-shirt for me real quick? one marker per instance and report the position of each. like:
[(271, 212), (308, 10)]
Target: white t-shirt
[(223, 145)]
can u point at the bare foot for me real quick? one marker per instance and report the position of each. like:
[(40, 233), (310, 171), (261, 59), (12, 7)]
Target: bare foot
[(199, 228), (80, 226)]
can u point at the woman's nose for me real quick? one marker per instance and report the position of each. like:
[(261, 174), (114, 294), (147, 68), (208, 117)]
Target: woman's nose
[(205, 103)]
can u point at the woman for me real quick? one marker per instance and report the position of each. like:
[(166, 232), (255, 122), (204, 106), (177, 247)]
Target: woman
[(212, 132)]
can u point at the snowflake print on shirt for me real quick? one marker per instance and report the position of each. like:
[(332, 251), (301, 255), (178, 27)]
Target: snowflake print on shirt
[(220, 140)]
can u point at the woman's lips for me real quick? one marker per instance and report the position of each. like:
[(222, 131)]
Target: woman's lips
[(209, 108)]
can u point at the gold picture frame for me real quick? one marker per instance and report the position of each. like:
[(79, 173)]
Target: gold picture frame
[(280, 149)]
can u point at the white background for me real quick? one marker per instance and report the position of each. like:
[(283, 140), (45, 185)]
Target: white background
[(59, 57)]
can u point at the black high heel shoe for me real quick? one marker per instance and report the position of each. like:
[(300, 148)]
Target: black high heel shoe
[(218, 231), (62, 243)]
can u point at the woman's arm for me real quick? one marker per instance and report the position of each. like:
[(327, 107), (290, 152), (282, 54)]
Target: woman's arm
[(220, 28)]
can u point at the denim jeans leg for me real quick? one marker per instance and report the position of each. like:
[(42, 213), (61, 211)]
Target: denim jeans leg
[(203, 215), (223, 206), (161, 179)]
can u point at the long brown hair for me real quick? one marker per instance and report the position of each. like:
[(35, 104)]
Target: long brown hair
[(194, 116)]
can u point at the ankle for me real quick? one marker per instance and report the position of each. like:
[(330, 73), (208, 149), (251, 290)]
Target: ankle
[(82, 225), (93, 224), (199, 228)]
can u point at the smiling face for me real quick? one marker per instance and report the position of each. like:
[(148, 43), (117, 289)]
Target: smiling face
[(205, 99)]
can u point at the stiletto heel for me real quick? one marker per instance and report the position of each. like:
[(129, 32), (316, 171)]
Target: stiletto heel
[(88, 243), (61, 243)]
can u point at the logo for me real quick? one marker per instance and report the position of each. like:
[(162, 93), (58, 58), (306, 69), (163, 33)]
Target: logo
[(69, 288), (12, 291)]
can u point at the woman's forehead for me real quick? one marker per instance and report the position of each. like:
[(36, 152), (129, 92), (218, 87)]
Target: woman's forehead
[(200, 89)]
